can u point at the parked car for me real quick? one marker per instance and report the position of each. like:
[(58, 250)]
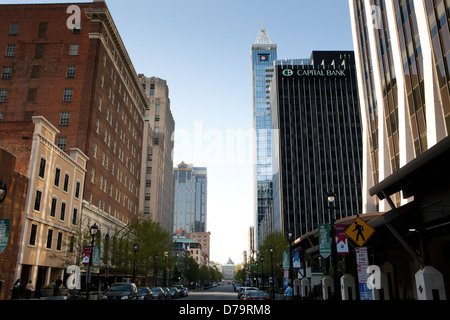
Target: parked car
[(144, 293), (121, 291), (256, 295), (174, 293), (182, 289), (167, 293), (158, 293), (242, 291)]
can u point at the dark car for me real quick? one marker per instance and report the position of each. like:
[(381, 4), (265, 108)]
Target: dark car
[(242, 291), (182, 289), (256, 295), (174, 293), (158, 293), (121, 291), (144, 293), (167, 293)]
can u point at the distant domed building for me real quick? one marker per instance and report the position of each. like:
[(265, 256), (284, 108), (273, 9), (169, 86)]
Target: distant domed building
[(227, 270)]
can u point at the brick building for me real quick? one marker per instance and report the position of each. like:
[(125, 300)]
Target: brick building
[(81, 79), (12, 210)]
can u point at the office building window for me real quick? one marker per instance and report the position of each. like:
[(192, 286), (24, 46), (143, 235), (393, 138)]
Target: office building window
[(62, 214), (68, 92), (10, 49), (73, 51), (65, 117), (6, 73), (33, 232), (57, 174), (49, 238), (53, 207), (59, 241), (62, 143), (152, 89), (3, 94), (66, 182), (74, 216), (37, 200), (42, 33), (13, 28), (42, 168), (77, 190), (71, 71)]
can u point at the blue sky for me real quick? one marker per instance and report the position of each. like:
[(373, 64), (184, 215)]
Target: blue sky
[(202, 48)]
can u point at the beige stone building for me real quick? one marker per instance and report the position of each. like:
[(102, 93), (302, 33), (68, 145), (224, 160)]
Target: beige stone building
[(52, 208), (157, 182)]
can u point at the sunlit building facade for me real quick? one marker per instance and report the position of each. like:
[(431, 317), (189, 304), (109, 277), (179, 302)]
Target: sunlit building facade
[(263, 53), (402, 53), (190, 211)]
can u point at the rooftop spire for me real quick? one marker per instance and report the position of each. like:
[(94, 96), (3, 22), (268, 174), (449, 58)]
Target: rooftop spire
[(262, 38)]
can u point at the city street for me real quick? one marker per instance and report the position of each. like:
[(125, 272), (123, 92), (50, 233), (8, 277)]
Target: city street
[(216, 293)]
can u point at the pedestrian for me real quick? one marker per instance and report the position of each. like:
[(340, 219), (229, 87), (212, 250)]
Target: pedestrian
[(28, 289), (288, 292), (15, 290), (58, 284)]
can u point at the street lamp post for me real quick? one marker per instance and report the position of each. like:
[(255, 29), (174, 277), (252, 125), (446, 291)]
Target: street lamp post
[(166, 254), (94, 231), (290, 235), (331, 206), (135, 249), (261, 258), (271, 267), (156, 270)]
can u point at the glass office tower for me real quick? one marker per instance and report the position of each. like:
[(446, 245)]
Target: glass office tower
[(262, 57), (317, 141), (190, 198)]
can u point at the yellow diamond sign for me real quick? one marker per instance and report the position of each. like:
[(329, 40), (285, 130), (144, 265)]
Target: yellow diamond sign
[(359, 231)]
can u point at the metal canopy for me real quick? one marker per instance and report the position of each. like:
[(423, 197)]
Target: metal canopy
[(430, 169)]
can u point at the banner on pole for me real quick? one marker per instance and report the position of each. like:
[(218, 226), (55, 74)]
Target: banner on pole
[(286, 258), (4, 233), (341, 240), (324, 240)]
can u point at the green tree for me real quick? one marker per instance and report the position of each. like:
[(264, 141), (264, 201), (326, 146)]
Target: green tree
[(154, 247), (278, 241)]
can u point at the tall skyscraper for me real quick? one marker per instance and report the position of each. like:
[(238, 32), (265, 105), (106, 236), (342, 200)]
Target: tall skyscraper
[(157, 182), (403, 68), (316, 142), (263, 53), (190, 198)]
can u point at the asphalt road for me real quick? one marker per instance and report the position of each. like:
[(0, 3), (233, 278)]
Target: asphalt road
[(216, 293)]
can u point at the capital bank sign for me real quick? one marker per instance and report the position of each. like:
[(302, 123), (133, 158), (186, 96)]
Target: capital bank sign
[(313, 73)]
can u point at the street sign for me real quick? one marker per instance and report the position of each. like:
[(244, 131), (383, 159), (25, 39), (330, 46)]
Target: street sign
[(359, 231)]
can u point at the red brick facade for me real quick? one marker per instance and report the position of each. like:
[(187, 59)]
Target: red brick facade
[(12, 208), (103, 117)]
